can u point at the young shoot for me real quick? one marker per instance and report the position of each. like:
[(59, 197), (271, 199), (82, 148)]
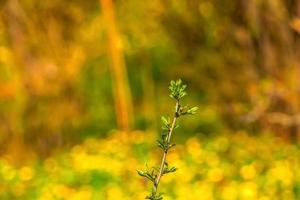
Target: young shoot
[(154, 175)]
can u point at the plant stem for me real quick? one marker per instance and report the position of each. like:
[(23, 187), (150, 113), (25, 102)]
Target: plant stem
[(157, 180)]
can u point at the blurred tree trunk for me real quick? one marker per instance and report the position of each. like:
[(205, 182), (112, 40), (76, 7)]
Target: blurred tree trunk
[(122, 94)]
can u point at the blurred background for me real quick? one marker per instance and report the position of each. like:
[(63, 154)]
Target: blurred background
[(84, 83)]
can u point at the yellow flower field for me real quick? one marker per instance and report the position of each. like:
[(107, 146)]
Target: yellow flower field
[(226, 167)]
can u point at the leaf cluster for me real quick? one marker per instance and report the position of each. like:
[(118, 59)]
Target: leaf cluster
[(177, 89), (149, 174), (178, 92), (163, 142), (168, 169), (187, 110), (154, 196)]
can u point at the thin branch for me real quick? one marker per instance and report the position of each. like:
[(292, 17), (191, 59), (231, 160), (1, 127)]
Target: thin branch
[(177, 92), (156, 183)]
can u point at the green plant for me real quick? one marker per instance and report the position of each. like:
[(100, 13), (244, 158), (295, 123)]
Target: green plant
[(155, 173)]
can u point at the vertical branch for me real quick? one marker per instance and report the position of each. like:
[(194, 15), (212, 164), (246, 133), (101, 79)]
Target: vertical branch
[(163, 160), (155, 175), (122, 94)]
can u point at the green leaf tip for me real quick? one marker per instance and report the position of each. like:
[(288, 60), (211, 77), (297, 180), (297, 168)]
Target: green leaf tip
[(177, 89), (165, 120), (193, 110)]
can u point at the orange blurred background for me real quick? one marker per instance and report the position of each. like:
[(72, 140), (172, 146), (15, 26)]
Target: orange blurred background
[(77, 75)]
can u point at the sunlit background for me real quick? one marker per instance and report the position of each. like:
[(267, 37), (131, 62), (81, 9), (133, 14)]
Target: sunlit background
[(83, 85)]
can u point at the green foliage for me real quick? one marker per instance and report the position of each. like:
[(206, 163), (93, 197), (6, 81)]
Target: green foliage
[(177, 92), (150, 175), (154, 196), (168, 169), (177, 89)]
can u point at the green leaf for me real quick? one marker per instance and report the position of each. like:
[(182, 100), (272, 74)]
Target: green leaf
[(149, 175), (173, 169), (167, 169), (141, 173), (192, 110), (165, 120), (160, 144)]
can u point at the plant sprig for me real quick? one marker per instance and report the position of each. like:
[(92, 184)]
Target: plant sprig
[(155, 174)]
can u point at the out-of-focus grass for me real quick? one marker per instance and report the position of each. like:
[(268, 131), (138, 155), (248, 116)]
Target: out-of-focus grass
[(235, 166)]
